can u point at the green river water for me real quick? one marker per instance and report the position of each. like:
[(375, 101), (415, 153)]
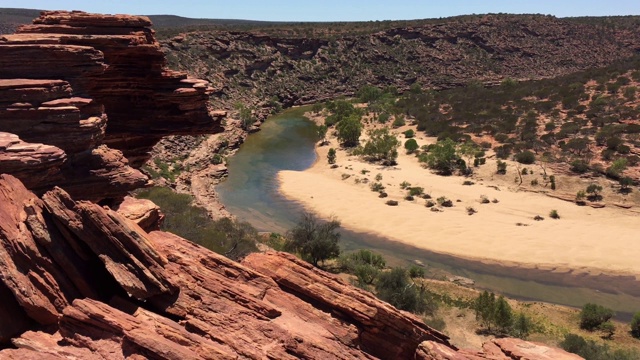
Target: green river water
[(286, 142)]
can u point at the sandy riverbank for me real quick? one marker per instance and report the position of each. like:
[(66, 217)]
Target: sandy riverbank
[(585, 240)]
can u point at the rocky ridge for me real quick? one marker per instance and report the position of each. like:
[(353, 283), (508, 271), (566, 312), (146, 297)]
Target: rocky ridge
[(79, 280)]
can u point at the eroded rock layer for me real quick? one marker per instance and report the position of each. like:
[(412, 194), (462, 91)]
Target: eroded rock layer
[(96, 88), (72, 273)]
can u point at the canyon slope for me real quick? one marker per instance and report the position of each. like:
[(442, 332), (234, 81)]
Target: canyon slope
[(84, 271)]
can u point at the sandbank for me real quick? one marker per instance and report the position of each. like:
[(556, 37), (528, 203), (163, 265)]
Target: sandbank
[(584, 239)]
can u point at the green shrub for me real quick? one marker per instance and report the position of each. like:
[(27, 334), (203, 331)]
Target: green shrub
[(409, 133), (590, 350), (398, 122), (364, 264), (579, 166), (397, 288), (416, 191), (593, 315), (554, 214), (376, 187), (224, 236), (411, 146), (331, 156), (526, 157), (314, 240), (501, 167)]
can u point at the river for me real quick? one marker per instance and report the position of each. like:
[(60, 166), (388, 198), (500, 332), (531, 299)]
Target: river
[(286, 142)]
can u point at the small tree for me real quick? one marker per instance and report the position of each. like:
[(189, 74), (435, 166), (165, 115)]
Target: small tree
[(411, 146), (617, 168), (349, 130), (313, 240), (522, 326), (331, 156), (625, 184), (322, 133), (484, 308), (468, 151), (501, 167), (593, 315), (594, 192), (442, 157), (381, 145), (246, 115), (503, 315), (525, 157), (397, 288)]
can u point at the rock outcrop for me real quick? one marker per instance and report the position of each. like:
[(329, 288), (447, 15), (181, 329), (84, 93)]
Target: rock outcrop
[(95, 95), (73, 274)]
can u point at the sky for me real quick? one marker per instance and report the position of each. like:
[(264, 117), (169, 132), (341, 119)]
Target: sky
[(336, 10)]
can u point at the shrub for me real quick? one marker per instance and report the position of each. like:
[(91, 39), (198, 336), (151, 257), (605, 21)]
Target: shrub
[(405, 185), (378, 177), (590, 350), (228, 237), (593, 315), (484, 199), (392, 203), (411, 146), (397, 288), (552, 180), (534, 182), (444, 202), (314, 240), (538, 218), (349, 130), (364, 264), (526, 157), (554, 214), (331, 156), (471, 210), (501, 167), (579, 166), (617, 168), (416, 272), (381, 145), (442, 157), (398, 122), (416, 191), (376, 186), (468, 183), (430, 203), (409, 198), (594, 192), (409, 133), (625, 183)]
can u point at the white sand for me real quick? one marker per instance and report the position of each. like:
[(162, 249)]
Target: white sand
[(583, 240)]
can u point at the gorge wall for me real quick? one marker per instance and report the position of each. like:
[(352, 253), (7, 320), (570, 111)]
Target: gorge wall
[(83, 97)]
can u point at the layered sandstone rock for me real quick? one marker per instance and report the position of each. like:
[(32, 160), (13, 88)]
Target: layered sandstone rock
[(79, 269), (96, 87)]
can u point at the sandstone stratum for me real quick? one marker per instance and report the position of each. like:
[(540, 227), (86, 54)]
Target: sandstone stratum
[(84, 271)]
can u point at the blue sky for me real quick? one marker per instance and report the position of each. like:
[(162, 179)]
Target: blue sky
[(337, 10)]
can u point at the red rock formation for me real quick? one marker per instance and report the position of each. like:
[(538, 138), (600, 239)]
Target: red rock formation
[(141, 211), (94, 81), (79, 268)]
